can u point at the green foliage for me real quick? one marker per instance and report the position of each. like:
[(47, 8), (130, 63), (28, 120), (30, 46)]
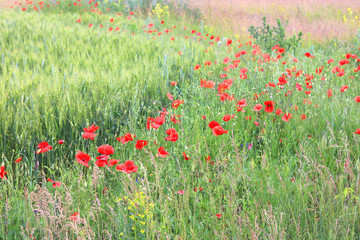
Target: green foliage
[(267, 36), (58, 76)]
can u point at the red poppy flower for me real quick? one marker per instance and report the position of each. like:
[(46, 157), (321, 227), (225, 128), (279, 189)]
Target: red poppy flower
[(140, 144), (43, 147), (357, 131), (126, 138), (18, 160), (121, 167), (89, 135), (207, 84), (286, 117), (61, 142), (218, 215), (225, 96), (279, 112), (180, 192), (257, 107), (155, 122), (357, 99), (348, 55), (89, 132), (173, 83), (106, 149), (163, 112), (185, 156), (240, 109), (218, 130), (343, 62), (113, 162), (242, 103), (177, 103), (269, 106), (197, 67), (344, 88), (169, 96), (173, 135), (207, 63), (2, 172), (75, 217), (282, 80), (127, 167), (102, 160), (162, 153), (228, 117), (91, 129), (82, 158), (226, 60), (174, 120), (308, 55), (329, 92), (55, 184), (213, 124)]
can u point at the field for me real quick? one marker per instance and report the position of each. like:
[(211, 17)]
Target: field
[(320, 21), (132, 120)]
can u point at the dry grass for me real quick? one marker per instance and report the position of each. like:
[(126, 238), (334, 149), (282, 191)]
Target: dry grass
[(319, 20), (4, 4), (52, 213)]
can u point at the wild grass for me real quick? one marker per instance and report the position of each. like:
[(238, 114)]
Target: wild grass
[(278, 180)]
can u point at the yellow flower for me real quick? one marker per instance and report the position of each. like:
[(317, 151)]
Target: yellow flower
[(142, 231)]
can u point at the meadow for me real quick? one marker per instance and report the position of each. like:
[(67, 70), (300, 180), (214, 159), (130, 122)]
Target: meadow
[(320, 21), (138, 120)]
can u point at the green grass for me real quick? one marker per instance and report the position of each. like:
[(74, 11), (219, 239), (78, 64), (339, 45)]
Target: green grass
[(58, 76)]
